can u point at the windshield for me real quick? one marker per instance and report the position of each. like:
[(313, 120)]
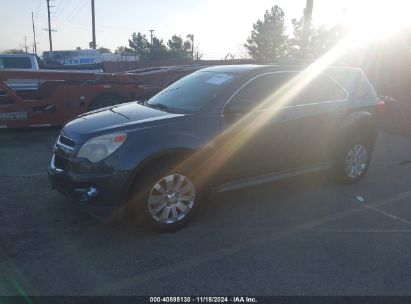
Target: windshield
[(192, 93)]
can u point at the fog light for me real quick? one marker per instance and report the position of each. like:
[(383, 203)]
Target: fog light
[(88, 193)]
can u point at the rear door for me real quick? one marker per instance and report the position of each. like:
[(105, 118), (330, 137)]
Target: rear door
[(258, 141), (316, 112)]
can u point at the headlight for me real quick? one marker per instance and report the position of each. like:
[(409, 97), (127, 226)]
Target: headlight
[(100, 147)]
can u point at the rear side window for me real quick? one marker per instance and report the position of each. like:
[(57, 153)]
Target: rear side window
[(364, 89), (320, 89), (15, 63)]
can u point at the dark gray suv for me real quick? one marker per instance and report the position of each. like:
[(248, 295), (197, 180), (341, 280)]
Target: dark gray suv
[(217, 129)]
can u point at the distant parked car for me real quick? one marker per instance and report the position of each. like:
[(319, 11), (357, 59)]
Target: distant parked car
[(218, 129), (18, 61), (21, 62)]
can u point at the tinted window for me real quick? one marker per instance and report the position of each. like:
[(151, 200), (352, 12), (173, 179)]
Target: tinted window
[(193, 92), (320, 89), (262, 87), (15, 63), (364, 90)]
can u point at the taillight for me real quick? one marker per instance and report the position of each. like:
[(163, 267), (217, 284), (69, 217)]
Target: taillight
[(381, 106)]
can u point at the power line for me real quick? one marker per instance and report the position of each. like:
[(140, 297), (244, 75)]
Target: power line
[(78, 9), (38, 10), (60, 9), (79, 5)]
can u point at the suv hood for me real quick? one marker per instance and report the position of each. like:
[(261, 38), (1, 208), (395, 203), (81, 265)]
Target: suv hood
[(116, 117)]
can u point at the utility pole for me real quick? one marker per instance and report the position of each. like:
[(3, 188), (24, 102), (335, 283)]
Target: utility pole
[(25, 43), (308, 12), (49, 29), (151, 36), (93, 20), (191, 37), (192, 46), (34, 35)]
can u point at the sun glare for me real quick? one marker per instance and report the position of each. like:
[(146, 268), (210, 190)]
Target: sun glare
[(377, 21)]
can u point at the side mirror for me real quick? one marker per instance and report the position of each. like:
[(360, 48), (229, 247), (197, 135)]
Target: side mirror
[(239, 107)]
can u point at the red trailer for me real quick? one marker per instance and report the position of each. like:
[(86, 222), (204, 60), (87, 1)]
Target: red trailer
[(62, 95)]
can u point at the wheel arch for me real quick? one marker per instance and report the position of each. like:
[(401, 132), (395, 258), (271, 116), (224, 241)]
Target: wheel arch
[(360, 124), (170, 155)]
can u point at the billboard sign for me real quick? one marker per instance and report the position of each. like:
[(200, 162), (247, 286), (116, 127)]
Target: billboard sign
[(76, 57)]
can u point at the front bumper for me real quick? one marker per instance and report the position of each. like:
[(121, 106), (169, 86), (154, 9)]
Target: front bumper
[(101, 194)]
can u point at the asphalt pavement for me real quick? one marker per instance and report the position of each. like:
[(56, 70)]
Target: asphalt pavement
[(302, 236)]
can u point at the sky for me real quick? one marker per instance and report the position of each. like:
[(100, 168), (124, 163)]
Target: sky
[(219, 26)]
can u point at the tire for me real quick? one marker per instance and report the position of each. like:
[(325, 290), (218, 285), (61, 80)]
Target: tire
[(354, 160), (105, 100), (165, 198)]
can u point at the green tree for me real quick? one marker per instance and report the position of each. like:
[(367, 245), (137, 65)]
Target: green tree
[(140, 45), (179, 49), (102, 49), (14, 51), (123, 49), (319, 40), (268, 40), (158, 49)]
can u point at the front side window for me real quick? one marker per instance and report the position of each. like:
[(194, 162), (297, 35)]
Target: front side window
[(193, 92), (261, 91)]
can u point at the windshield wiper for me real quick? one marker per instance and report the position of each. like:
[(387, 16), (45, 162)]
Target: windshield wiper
[(163, 107), (159, 106)]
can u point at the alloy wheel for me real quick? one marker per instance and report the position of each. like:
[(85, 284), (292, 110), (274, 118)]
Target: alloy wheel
[(171, 199), (356, 161)]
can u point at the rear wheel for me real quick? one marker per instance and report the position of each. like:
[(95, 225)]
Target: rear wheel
[(353, 163)]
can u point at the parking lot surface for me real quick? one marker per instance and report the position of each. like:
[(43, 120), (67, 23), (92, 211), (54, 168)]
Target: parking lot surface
[(302, 236)]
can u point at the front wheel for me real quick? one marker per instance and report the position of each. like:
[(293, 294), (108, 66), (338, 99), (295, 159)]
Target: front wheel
[(168, 200)]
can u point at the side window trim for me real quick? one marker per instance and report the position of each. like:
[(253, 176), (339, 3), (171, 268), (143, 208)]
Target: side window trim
[(347, 94)]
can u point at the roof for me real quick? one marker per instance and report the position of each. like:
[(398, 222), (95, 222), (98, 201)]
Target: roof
[(236, 69), (16, 55), (246, 68)]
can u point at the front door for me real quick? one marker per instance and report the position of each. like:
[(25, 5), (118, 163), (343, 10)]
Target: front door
[(257, 142)]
